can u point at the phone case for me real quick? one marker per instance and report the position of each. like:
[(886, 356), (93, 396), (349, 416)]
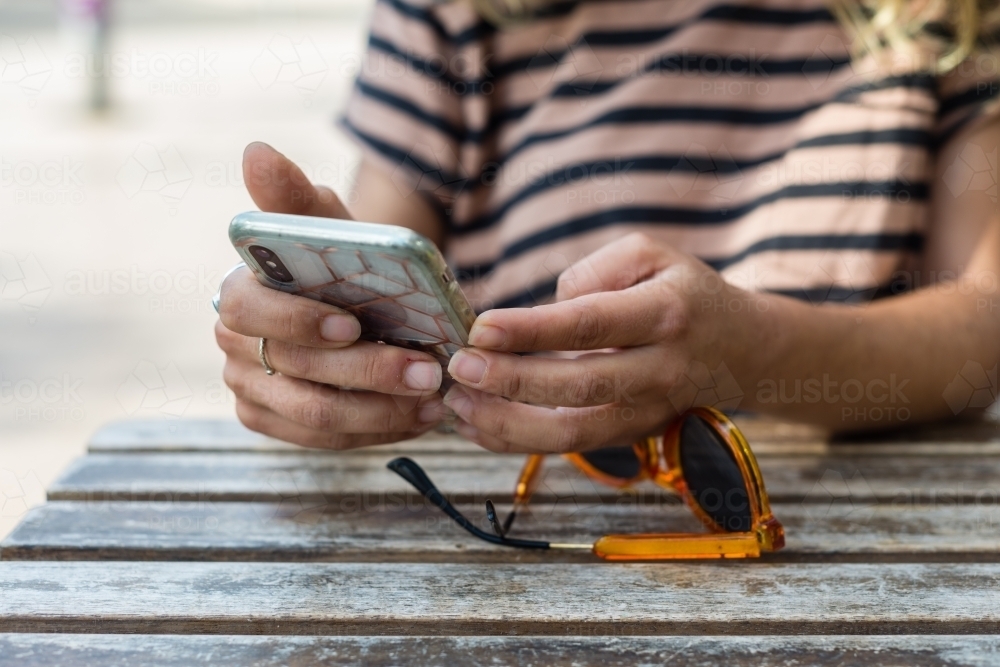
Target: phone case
[(392, 279)]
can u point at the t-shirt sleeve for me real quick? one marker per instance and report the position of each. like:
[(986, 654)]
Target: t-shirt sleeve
[(969, 94), (405, 109)]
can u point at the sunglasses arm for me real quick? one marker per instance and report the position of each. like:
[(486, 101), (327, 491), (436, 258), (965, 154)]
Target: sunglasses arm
[(409, 470), (526, 484), (668, 546)]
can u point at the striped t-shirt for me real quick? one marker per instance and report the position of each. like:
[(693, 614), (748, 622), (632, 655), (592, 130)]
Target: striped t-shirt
[(740, 132)]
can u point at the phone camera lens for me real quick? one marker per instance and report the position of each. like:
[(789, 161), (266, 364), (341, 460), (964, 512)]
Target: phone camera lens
[(271, 264)]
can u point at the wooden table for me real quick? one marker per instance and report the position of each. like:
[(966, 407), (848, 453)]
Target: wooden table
[(197, 542)]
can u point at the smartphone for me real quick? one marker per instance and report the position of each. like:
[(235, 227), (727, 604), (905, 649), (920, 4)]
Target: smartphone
[(392, 279)]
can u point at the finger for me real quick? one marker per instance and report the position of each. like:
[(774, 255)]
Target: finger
[(639, 315), (616, 266), (324, 408), (260, 419), (593, 379), (486, 441), (367, 366), (277, 185), (246, 307), (549, 430)]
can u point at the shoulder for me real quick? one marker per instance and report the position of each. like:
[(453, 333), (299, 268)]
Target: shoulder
[(451, 22)]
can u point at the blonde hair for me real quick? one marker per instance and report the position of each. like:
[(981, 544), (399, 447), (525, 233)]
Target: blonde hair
[(956, 26)]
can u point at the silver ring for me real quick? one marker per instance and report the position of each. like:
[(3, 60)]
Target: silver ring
[(262, 353), (218, 292)]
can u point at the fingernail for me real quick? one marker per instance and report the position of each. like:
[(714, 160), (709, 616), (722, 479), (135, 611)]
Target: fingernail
[(256, 144), (487, 336), (467, 430), (459, 400), (431, 412), (467, 366), (422, 375), (339, 328)]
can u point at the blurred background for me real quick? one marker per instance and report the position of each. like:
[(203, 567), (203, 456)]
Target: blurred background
[(123, 126)]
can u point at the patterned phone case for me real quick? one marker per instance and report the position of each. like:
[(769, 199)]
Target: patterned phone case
[(392, 279)]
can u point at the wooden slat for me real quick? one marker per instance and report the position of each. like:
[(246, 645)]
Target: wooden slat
[(417, 533), (272, 477), (347, 478), (767, 437), (454, 599), (40, 650), (228, 435)]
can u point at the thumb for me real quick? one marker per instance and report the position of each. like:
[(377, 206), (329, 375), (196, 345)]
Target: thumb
[(277, 185)]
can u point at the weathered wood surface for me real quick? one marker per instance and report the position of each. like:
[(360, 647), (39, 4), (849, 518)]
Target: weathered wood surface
[(418, 533), (896, 536), (256, 477), (766, 436), (38, 650), (228, 435), (500, 599)]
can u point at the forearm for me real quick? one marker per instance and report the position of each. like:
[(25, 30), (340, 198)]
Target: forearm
[(889, 362)]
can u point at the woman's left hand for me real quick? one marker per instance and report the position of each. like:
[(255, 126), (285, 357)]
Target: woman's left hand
[(659, 333)]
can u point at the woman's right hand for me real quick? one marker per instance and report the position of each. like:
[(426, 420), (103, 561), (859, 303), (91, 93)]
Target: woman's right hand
[(330, 389)]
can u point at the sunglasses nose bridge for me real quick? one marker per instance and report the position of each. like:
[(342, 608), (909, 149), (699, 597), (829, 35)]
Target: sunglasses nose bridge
[(667, 478)]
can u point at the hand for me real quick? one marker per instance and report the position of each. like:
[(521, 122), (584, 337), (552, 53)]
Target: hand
[(644, 311), (331, 390)]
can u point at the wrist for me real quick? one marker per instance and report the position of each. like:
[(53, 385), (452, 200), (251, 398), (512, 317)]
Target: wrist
[(761, 340)]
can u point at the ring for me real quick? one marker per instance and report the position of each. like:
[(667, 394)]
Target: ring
[(218, 293), (262, 353)]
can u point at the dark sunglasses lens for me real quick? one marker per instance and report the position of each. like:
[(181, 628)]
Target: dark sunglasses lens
[(712, 475), (620, 462)]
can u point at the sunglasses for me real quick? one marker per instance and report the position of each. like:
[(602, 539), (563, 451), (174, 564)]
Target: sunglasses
[(703, 457)]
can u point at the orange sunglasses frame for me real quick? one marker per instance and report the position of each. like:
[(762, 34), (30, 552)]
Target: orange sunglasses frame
[(660, 463)]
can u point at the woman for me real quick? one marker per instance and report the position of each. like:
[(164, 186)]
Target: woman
[(771, 205)]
